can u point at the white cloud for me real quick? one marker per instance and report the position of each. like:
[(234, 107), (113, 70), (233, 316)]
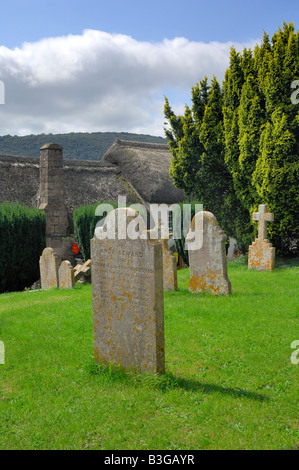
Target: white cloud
[(101, 82)]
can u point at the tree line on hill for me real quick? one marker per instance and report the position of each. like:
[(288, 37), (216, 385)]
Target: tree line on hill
[(238, 145), (78, 145)]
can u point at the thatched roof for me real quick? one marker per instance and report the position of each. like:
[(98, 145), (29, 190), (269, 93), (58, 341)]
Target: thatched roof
[(89, 181), (146, 167), (86, 182), (136, 170)]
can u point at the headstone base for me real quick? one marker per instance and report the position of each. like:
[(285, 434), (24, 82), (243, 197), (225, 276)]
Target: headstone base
[(261, 255)]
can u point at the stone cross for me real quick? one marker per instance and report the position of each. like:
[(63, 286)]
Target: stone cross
[(261, 254), (263, 217), (83, 272), (127, 297), (207, 257)]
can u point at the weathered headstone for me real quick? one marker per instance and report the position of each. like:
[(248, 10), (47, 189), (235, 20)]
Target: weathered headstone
[(66, 275), (49, 265), (170, 280), (127, 292), (207, 256), (231, 252), (169, 260), (261, 254)]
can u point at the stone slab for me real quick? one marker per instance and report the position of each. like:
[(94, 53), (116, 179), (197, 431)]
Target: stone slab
[(66, 275), (49, 265), (128, 308), (208, 265)]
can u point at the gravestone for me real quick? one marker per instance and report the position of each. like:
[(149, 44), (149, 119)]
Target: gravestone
[(231, 252), (170, 280), (207, 256), (261, 254), (48, 265), (169, 260), (66, 275), (127, 296)]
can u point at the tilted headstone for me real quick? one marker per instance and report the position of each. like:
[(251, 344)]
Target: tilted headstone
[(261, 254), (83, 272), (48, 265), (127, 293), (170, 281), (207, 256), (66, 275)]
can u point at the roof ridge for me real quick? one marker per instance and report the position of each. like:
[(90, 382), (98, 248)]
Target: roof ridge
[(135, 143)]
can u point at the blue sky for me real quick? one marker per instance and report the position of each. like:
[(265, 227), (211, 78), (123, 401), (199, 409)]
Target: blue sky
[(93, 65), (154, 20)]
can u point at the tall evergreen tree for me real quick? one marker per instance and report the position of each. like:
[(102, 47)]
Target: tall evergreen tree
[(198, 166), (239, 147)]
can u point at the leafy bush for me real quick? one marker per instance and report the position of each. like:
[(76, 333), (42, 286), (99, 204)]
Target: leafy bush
[(22, 239)]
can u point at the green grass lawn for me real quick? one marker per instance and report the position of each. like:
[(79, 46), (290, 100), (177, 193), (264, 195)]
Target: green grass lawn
[(229, 381)]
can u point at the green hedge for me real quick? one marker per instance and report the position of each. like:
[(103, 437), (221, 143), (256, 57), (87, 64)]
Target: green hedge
[(22, 239), (85, 222)]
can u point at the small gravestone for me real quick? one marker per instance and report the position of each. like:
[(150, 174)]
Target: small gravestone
[(207, 256), (169, 260), (261, 254), (232, 249), (48, 265), (170, 280), (66, 275), (127, 295)]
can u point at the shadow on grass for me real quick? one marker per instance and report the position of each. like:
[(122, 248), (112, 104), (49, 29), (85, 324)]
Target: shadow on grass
[(165, 382), (194, 385)]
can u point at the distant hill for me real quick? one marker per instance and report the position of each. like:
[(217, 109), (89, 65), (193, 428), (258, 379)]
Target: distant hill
[(79, 145)]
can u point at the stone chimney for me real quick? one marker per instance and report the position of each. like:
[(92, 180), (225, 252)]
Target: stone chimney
[(52, 200)]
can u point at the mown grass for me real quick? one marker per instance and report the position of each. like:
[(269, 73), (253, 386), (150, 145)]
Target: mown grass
[(229, 381)]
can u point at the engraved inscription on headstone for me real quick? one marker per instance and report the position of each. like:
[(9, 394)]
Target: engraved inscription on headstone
[(127, 291)]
